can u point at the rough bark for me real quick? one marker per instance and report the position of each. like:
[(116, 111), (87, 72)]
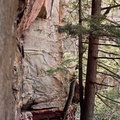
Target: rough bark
[(8, 11), (80, 59), (92, 65), (70, 97)]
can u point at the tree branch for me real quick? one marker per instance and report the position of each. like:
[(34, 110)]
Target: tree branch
[(106, 12), (108, 66), (106, 74), (109, 53), (106, 58), (113, 22), (108, 9), (113, 76), (70, 97), (117, 62), (110, 45), (114, 6), (109, 70), (103, 101), (102, 84), (116, 2), (108, 98), (104, 44), (116, 79)]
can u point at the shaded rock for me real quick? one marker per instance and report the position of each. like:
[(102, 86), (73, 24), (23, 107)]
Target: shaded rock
[(43, 51)]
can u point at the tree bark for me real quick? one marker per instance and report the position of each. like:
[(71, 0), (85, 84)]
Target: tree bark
[(90, 90), (80, 43), (70, 97)]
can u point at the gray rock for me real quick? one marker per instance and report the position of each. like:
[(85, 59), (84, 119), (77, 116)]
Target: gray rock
[(43, 51)]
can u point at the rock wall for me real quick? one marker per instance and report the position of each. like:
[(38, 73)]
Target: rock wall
[(8, 11), (42, 50), (26, 88)]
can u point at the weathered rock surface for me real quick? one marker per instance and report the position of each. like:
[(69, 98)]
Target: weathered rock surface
[(7, 52), (24, 81), (42, 51)]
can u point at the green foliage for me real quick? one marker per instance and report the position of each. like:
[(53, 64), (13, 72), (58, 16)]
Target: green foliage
[(72, 30), (102, 30), (67, 66)]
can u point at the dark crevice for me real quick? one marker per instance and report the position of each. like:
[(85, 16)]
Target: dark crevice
[(21, 8), (43, 12)]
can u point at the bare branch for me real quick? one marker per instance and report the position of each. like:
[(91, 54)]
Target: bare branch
[(108, 66), (109, 70), (110, 45), (110, 7), (106, 74), (109, 53), (102, 84), (106, 58), (115, 2), (116, 79), (106, 12), (117, 62), (113, 22), (108, 98), (103, 101), (113, 76), (104, 44)]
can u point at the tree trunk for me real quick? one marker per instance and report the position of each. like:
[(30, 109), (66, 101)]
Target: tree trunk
[(80, 58), (70, 97), (87, 113)]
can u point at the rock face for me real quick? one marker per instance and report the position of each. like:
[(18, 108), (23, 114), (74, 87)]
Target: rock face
[(7, 52), (24, 82), (42, 51)]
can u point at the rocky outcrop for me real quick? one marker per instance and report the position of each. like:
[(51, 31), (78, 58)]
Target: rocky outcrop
[(42, 50), (8, 45), (27, 90)]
